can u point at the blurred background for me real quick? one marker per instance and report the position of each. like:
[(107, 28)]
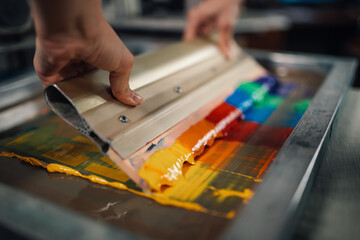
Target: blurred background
[(312, 26)]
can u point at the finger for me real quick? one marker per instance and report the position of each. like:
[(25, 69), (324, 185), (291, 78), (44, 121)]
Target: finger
[(206, 28), (47, 72), (121, 90), (48, 62), (210, 8), (225, 35), (113, 56), (119, 82), (223, 42), (192, 24), (74, 68), (197, 16)]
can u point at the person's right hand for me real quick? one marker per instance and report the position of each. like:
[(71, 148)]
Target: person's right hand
[(73, 37)]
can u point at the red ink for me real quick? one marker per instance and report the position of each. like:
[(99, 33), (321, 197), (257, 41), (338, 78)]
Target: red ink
[(271, 136), (220, 113), (241, 131)]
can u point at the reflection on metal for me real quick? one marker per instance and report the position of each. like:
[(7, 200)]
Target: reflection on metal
[(178, 89), (118, 209), (17, 89), (33, 218), (21, 113), (123, 119), (86, 103)]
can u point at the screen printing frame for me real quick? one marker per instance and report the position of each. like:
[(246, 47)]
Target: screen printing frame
[(271, 214), (273, 211)]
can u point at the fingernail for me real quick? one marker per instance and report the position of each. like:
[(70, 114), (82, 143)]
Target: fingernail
[(137, 98)]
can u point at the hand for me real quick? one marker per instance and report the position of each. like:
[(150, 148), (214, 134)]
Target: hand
[(219, 14), (73, 37)]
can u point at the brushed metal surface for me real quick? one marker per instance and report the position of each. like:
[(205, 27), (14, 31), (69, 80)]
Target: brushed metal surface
[(332, 209)]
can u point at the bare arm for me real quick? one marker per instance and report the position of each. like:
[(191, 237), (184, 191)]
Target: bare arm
[(73, 37)]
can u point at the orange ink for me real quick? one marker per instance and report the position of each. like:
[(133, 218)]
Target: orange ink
[(164, 167)]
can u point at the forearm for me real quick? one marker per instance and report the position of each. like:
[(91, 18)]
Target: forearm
[(56, 18)]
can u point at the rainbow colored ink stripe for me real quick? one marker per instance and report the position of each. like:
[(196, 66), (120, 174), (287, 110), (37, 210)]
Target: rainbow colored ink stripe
[(253, 101), (245, 133)]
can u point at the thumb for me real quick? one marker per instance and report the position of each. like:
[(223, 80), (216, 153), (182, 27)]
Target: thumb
[(113, 56), (120, 76), (119, 82)]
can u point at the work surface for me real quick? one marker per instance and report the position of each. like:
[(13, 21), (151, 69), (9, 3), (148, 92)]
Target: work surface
[(101, 204), (332, 209)]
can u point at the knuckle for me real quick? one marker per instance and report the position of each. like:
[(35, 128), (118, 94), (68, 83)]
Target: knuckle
[(53, 59), (121, 91), (129, 61)]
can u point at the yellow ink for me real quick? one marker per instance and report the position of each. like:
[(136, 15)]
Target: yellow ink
[(225, 193), (30, 160), (21, 139), (196, 179), (107, 172), (164, 167), (230, 214), (83, 139), (70, 153), (199, 178), (157, 172), (108, 161), (158, 197)]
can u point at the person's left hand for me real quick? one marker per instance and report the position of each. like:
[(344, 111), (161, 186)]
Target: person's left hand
[(218, 14)]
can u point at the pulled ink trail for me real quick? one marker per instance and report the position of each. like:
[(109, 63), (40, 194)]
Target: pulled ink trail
[(165, 166), (245, 133)]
